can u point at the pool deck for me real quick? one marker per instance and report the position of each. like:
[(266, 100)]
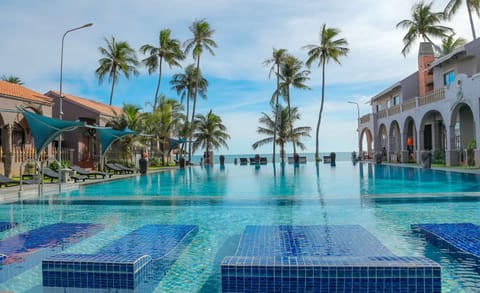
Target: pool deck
[(30, 191)]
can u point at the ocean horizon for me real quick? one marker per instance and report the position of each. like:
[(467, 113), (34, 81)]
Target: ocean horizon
[(230, 158)]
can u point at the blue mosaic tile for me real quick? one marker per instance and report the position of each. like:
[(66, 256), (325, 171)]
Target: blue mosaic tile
[(124, 264), (6, 226), (27, 249), (462, 239), (322, 259)]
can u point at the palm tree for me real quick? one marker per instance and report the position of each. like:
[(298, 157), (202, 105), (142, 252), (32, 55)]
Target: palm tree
[(209, 132), (184, 84), (168, 50), (449, 44), (164, 123), (423, 24), (454, 5), (201, 41), (282, 130), (12, 79), (328, 49), (278, 57), (292, 74), (117, 58)]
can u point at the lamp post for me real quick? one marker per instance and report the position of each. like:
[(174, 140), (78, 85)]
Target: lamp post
[(60, 104), (358, 121)]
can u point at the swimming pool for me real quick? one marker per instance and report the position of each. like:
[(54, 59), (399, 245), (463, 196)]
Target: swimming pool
[(221, 202)]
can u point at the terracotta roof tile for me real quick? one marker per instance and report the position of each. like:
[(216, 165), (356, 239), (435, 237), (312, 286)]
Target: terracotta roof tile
[(91, 104), (8, 89)]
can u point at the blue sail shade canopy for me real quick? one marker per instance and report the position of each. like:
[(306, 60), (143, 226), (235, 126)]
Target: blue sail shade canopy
[(45, 129), (109, 135)]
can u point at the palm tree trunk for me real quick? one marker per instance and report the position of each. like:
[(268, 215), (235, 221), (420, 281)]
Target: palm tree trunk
[(155, 101), (276, 114), (113, 86), (193, 109), (290, 120), (471, 20), (317, 155)]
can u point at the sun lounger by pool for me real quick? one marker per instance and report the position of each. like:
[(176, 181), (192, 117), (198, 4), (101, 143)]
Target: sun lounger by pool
[(5, 181), (90, 174), (126, 169), (243, 161), (27, 249), (301, 160), (54, 175), (460, 239), (123, 264), (330, 258)]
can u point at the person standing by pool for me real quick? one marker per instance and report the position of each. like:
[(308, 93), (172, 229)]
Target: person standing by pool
[(143, 163)]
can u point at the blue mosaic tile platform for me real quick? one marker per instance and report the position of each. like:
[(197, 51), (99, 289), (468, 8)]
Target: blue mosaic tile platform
[(125, 263), (6, 226), (462, 239), (27, 249), (331, 258)]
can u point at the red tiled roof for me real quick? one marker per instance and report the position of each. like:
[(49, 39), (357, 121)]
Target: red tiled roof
[(91, 104), (13, 90)]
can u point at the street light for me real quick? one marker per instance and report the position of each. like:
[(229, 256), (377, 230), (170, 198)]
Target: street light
[(61, 103), (358, 123), (358, 108)]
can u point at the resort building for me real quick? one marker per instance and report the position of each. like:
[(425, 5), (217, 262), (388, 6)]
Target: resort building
[(437, 109), (16, 141), (82, 143)]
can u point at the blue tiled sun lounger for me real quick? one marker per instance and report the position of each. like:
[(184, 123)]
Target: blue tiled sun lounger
[(330, 258), (462, 239), (6, 226), (27, 249), (122, 264)]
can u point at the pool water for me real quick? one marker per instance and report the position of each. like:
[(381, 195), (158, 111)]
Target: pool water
[(223, 201)]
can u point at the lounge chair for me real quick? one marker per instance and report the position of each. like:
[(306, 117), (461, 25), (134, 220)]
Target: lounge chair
[(263, 160), (5, 181), (243, 161), (90, 174), (126, 169), (52, 175), (114, 168)]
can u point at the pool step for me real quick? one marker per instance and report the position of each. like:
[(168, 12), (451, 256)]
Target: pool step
[(125, 263), (324, 258)]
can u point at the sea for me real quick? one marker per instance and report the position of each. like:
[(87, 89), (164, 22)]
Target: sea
[(230, 159)]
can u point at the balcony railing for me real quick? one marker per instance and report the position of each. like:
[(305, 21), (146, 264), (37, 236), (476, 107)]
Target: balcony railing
[(365, 119), (434, 96)]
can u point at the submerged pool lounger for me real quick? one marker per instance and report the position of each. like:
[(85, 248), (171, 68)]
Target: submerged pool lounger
[(27, 249), (124, 263), (6, 226), (462, 239), (330, 258)]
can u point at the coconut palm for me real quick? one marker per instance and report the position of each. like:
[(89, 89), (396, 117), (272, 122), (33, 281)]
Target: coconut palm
[(328, 49), (454, 5), (292, 74), (164, 123), (449, 44), (278, 57), (168, 51), (12, 79), (184, 84), (282, 130), (118, 58), (423, 24), (209, 132), (131, 118), (201, 41)]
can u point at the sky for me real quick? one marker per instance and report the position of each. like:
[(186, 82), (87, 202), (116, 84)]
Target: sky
[(246, 32)]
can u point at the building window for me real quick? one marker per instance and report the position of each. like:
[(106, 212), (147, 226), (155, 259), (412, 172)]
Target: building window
[(389, 104), (396, 100), (379, 107), (448, 78)]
